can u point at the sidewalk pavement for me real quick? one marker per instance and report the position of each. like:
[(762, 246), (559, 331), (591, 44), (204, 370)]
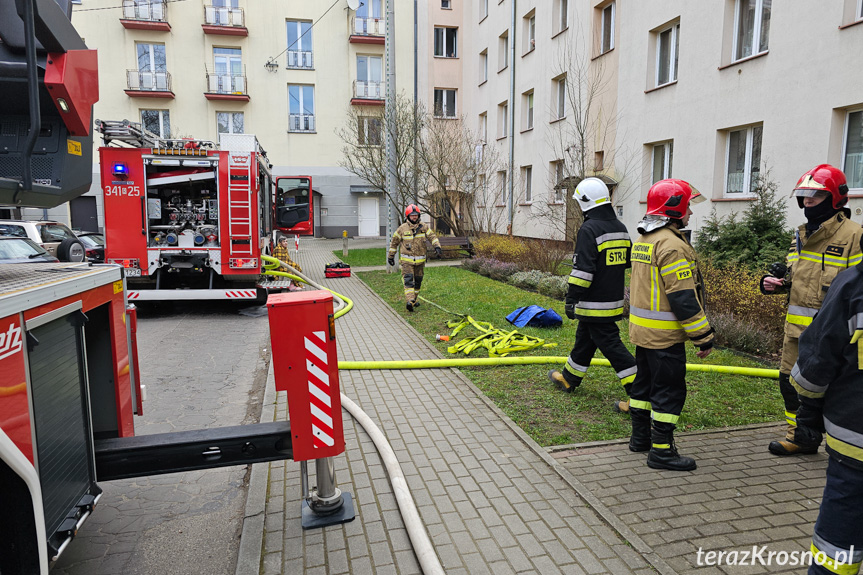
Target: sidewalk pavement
[(492, 500)]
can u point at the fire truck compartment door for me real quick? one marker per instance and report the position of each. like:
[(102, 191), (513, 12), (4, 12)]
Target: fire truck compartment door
[(63, 440), (179, 177)]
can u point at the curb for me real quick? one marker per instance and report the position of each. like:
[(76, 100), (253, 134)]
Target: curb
[(252, 536)]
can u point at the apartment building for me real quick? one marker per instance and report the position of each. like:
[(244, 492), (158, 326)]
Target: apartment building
[(287, 72), (712, 92)]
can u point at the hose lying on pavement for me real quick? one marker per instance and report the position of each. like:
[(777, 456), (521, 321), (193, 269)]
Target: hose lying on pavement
[(422, 545)]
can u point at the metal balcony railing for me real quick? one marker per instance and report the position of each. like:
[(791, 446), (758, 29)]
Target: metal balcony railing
[(149, 11), (300, 59), (368, 90), (145, 80), (367, 26), (226, 83), (219, 16), (301, 122)]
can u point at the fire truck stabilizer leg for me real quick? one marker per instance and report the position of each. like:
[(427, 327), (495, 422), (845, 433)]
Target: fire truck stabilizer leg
[(327, 505)]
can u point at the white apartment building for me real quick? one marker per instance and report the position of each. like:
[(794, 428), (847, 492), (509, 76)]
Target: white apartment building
[(285, 71)]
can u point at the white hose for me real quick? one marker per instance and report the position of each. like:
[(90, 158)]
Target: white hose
[(423, 548), (422, 545)]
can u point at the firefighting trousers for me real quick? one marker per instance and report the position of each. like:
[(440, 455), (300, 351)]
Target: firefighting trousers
[(660, 384), (839, 528), (606, 336), (412, 274), (790, 347)]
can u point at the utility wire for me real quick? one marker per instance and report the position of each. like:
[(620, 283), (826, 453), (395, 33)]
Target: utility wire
[(76, 10), (273, 59)]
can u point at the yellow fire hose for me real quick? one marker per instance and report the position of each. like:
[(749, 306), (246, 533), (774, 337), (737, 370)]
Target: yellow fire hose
[(272, 265), (498, 342)]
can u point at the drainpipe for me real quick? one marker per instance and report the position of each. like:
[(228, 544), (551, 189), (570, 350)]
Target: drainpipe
[(390, 115), (416, 99), (511, 181)]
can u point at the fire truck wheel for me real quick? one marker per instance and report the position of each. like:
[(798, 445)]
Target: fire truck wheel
[(70, 250)]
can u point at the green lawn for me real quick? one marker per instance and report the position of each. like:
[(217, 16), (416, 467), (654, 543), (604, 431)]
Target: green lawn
[(364, 257), (524, 393)]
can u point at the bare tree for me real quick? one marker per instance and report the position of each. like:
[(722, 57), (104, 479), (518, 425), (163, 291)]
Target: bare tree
[(364, 151)]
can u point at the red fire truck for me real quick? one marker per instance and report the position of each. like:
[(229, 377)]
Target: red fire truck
[(187, 219)]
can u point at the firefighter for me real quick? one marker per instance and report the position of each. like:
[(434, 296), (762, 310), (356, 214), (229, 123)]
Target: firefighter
[(595, 293), (667, 308), (826, 244), (412, 236), (829, 381)]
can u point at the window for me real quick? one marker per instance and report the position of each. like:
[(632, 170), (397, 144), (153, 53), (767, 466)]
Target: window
[(599, 161), (502, 113), (852, 153), (445, 4), (369, 74), (560, 10), (301, 108), (530, 33), (151, 58), (501, 177), (230, 122), (483, 127), (560, 98), (503, 51), (369, 9), (751, 27), (229, 71), (483, 9), (668, 43), (445, 42), (558, 189), (662, 155), (483, 66), (369, 131), (299, 44), (528, 107), (607, 43), (157, 122), (444, 103), (481, 191), (743, 160), (860, 10), (527, 173)]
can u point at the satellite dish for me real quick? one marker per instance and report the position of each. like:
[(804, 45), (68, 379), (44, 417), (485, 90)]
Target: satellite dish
[(353, 4)]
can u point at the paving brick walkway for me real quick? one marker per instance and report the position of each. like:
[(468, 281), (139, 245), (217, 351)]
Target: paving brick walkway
[(492, 500)]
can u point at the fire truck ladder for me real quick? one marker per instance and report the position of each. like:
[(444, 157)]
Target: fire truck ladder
[(240, 209), (130, 133)]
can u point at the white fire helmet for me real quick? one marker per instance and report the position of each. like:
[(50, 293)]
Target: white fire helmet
[(590, 193)]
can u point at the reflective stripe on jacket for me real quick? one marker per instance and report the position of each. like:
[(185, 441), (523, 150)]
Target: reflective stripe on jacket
[(813, 262), (412, 239), (599, 266), (828, 374), (666, 292)]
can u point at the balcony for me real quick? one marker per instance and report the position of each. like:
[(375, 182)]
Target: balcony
[(226, 87), (301, 123), (367, 30), (224, 21), (147, 84), (300, 60), (368, 93), (149, 15)]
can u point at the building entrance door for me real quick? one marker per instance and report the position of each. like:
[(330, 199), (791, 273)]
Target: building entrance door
[(367, 210)]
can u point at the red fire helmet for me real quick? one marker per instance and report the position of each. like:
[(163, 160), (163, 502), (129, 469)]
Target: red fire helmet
[(671, 198), (411, 209), (823, 178)]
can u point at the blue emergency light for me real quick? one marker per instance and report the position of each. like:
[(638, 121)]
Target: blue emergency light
[(121, 170)]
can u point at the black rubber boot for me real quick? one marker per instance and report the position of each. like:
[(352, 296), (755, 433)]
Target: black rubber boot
[(410, 306), (639, 442), (562, 382), (663, 453)]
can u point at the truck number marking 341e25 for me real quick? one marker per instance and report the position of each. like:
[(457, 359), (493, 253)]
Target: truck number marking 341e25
[(131, 191)]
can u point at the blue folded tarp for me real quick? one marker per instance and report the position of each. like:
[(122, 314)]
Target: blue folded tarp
[(534, 316)]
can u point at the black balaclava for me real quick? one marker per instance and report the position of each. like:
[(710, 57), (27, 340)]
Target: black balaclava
[(601, 212), (817, 215)]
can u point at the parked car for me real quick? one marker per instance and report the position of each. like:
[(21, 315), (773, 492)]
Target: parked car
[(94, 246), (22, 251), (55, 237)]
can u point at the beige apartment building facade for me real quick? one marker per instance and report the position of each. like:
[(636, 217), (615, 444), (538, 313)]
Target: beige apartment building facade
[(288, 72)]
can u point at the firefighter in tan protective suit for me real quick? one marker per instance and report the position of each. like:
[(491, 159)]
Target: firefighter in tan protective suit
[(667, 309), (412, 236), (826, 244)]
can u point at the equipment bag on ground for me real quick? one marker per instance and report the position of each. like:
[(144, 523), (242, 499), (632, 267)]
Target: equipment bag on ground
[(534, 316), (337, 270)]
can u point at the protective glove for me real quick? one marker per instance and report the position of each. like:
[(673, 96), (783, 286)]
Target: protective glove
[(391, 261), (778, 270), (438, 252), (569, 309)]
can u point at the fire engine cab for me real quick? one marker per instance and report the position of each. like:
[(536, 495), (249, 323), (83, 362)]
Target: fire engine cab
[(187, 219)]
